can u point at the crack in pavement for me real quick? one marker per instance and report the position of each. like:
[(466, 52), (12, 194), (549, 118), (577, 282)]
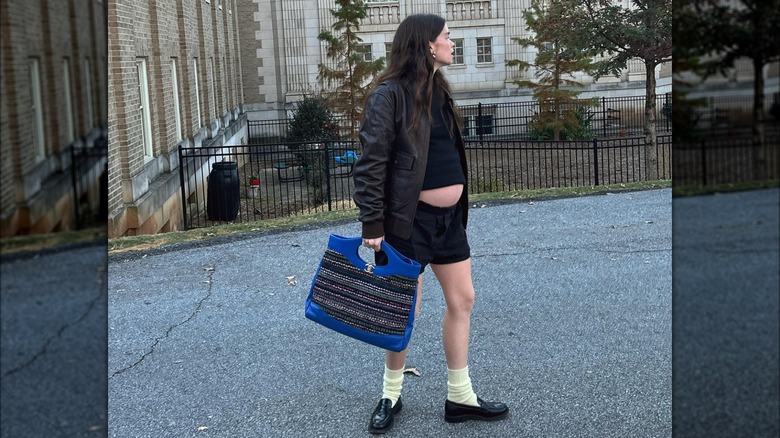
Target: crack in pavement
[(170, 329), (90, 307)]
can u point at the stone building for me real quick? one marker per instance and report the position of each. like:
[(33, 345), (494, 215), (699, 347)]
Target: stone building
[(52, 108), (281, 50), (174, 79)]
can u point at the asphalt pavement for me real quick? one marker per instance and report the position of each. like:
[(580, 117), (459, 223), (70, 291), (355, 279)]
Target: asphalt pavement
[(726, 309), (53, 342), (572, 328)]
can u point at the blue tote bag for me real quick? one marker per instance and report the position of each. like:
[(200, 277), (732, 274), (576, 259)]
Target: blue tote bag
[(374, 304)]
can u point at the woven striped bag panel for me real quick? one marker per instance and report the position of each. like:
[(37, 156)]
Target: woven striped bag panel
[(363, 300)]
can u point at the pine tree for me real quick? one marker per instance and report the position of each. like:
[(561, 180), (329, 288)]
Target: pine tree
[(559, 56), (349, 73)]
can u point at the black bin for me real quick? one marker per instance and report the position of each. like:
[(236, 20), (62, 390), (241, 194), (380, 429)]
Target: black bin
[(223, 192)]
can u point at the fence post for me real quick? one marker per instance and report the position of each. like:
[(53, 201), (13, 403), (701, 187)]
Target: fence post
[(596, 160), (327, 173), (478, 123), (74, 183), (703, 163), (183, 190), (604, 115)]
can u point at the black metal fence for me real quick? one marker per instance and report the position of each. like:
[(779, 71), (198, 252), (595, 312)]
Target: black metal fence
[(612, 117), (726, 159), (729, 115), (261, 181), (89, 180)]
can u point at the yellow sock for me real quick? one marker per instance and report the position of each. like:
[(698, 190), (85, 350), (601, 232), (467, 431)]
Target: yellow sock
[(392, 384), (459, 387)]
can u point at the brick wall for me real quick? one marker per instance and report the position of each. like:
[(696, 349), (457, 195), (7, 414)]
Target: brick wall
[(162, 32), (32, 197)]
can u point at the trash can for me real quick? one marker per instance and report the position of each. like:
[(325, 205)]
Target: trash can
[(223, 192)]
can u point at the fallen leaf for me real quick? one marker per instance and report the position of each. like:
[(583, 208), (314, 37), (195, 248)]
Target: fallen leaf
[(412, 370), (211, 234), (208, 268), (295, 245), (202, 428), (648, 222)]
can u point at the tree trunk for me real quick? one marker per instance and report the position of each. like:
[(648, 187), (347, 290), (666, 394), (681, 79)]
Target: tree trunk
[(759, 151), (651, 152)]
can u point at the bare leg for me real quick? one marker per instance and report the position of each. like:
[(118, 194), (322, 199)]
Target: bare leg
[(458, 288)]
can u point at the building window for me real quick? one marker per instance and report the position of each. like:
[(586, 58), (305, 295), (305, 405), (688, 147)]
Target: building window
[(388, 50), (143, 108), (457, 58), (175, 91), (88, 90), (197, 90), (70, 129), (36, 109), (484, 50), (364, 50), (213, 90)]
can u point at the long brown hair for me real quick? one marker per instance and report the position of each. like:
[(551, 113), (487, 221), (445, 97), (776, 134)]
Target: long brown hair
[(412, 64)]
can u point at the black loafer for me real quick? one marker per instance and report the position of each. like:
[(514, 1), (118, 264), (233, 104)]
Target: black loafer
[(486, 411), (382, 418)]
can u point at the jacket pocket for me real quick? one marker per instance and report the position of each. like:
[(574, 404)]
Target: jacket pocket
[(403, 161)]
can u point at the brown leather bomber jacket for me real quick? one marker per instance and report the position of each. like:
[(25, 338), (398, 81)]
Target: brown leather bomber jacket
[(390, 171)]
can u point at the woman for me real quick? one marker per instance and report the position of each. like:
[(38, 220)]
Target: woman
[(410, 187)]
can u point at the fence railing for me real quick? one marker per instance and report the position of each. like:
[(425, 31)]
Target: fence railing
[(261, 181), (726, 159), (89, 180), (611, 117)]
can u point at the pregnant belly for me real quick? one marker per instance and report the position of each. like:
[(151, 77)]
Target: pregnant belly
[(442, 196)]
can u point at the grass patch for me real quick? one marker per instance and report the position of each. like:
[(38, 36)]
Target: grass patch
[(38, 242), (143, 242), (722, 188), (147, 241), (568, 192)]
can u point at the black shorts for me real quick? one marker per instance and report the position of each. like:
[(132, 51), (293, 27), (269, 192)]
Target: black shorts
[(438, 237)]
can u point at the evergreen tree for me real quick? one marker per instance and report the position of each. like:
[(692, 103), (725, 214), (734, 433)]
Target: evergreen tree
[(560, 54), (349, 73)]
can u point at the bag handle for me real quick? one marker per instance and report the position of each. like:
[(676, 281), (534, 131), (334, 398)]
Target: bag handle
[(397, 263)]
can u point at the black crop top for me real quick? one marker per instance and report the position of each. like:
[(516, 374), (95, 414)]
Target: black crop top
[(443, 167)]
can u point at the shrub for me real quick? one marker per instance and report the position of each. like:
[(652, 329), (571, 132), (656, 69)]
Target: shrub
[(312, 121), (577, 129), (313, 124)]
